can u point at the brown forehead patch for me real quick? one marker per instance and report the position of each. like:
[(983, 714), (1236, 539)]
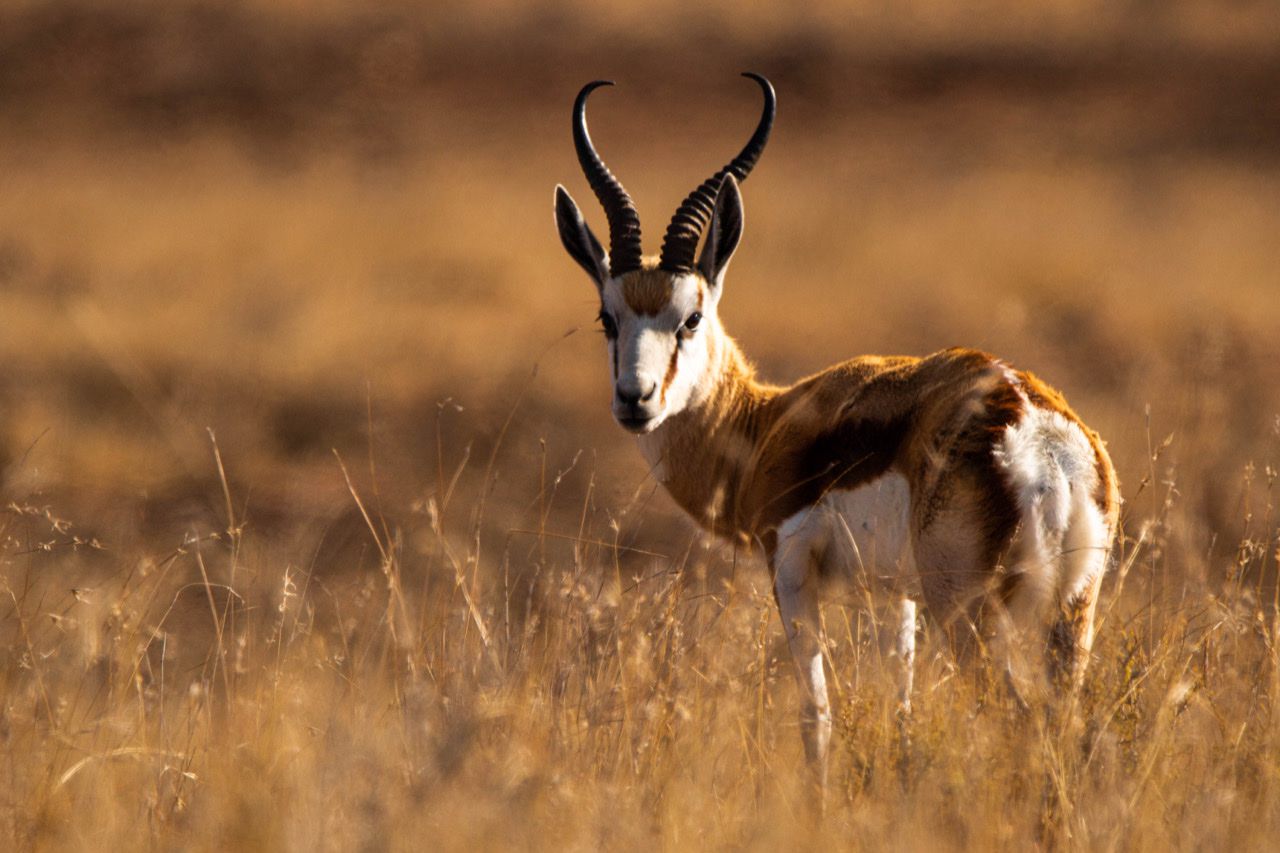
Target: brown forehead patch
[(647, 291)]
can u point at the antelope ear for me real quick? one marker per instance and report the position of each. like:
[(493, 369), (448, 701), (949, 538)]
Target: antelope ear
[(723, 234), (578, 240)]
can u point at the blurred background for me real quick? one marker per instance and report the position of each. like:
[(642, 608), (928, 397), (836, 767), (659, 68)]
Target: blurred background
[(315, 528), (326, 226)]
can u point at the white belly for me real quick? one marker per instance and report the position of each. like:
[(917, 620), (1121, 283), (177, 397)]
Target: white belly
[(860, 533)]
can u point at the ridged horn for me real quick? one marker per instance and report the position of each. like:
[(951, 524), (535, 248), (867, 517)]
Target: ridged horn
[(624, 219), (681, 241)]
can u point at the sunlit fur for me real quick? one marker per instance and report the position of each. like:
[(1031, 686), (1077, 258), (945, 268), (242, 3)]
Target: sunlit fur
[(953, 478)]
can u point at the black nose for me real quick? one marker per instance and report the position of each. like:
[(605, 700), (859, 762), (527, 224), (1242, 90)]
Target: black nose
[(634, 398)]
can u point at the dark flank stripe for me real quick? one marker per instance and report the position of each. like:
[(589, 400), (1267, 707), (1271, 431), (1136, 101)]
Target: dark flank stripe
[(849, 454), (844, 455)]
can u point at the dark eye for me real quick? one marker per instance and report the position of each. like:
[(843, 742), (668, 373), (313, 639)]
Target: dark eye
[(610, 327), (692, 323)]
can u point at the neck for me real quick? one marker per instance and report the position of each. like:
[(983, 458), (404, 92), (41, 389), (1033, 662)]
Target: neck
[(703, 454)]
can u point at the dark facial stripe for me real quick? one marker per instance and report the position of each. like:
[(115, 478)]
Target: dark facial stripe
[(675, 355), (671, 372)]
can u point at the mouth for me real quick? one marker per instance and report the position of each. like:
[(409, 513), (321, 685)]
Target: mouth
[(638, 425)]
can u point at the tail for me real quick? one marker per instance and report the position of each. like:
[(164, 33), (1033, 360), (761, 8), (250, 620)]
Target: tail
[(1086, 549), (1064, 537)]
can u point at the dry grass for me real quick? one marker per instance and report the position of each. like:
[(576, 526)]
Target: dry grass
[(424, 591), (571, 692)]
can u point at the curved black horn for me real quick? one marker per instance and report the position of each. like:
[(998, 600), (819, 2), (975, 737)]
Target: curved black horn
[(624, 219), (681, 241)]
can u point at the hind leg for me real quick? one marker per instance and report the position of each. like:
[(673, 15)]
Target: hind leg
[(1071, 637), (957, 580), (981, 609), (1085, 550)]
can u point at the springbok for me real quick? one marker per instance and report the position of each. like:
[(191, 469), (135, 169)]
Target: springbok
[(953, 477)]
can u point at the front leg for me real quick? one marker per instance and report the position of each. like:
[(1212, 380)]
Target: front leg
[(795, 585), (905, 648)]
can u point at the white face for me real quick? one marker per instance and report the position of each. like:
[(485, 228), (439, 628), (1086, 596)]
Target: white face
[(660, 328)]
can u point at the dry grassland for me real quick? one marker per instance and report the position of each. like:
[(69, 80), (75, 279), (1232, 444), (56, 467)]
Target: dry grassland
[(317, 533)]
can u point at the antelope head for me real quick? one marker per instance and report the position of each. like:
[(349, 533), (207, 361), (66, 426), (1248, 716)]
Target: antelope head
[(659, 315)]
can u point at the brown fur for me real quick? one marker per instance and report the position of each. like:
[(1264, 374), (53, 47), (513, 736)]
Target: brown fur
[(648, 290), (743, 458), (756, 454), (1071, 638)]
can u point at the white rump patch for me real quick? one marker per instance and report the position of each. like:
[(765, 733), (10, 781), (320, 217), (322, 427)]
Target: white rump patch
[(1045, 456), (1049, 464)]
